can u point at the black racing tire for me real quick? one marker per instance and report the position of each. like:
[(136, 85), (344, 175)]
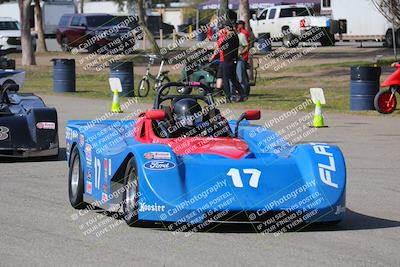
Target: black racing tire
[(65, 47), (164, 80), (130, 203), (8, 82), (381, 102), (398, 38), (143, 87), (289, 40), (389, 38), (75, 181)]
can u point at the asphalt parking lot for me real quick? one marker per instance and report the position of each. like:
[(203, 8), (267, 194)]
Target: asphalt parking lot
[(38, 226)]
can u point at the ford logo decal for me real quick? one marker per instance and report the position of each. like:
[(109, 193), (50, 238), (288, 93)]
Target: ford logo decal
[(156, 165)]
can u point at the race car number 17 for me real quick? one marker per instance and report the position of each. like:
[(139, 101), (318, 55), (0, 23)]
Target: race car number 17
[(237, 179)]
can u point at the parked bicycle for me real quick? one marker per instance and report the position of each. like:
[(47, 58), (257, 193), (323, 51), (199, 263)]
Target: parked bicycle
[(160, 79)]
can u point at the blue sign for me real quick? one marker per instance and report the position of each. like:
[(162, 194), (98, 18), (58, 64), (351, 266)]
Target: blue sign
[(159, 165)]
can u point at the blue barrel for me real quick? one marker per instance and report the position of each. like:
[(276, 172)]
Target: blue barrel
[(124, 71), (364, 85), (64, 78), (264, 43)]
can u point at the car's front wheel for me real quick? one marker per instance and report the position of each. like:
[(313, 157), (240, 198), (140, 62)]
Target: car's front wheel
[(65, 45), (143, 87), (75, 181), (131, 193)]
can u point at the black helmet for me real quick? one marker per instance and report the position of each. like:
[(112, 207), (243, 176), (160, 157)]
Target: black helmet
[(187, 112)]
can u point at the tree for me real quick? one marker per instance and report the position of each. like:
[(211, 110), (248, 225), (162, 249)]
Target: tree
[(28, 55), (244, 13), (41, 43), (81, 4), (390, 9), (141, 14), (223, 8)]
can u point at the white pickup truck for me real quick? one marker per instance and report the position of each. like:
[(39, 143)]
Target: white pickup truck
[(293, 24)]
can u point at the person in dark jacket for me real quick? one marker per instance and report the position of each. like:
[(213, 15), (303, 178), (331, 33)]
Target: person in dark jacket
[(230, 47)]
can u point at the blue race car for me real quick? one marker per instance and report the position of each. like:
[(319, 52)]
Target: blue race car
[(183, 162)]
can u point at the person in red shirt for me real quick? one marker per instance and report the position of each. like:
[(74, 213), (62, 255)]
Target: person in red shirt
[(241, 28), (220, 52)]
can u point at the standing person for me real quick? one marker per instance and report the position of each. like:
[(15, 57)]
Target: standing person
[(230, 47), (218, 51), (242, 64)]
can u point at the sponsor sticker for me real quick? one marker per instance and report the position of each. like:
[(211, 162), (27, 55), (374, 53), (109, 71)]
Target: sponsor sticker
[(89, 175), (107, 168), (148, 155), (81, 139), (105, 188), (159, 165), (157, 155), (104, 197), (89, 187), (153, 207), (67, 148), (44, 125), (88, 154), (68, 133), (74, 134), (328, 167)]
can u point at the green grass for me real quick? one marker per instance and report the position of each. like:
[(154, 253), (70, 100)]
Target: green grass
[(283, 91)]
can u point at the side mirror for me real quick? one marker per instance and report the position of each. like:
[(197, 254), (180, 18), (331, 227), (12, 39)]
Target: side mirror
[(249, 115), (252, 115), (155, 114)]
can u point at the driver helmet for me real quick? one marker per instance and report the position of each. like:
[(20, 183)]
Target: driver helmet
[(187, 113)]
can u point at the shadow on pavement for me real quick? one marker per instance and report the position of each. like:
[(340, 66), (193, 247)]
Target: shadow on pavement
[(353, 221), (61, 157)]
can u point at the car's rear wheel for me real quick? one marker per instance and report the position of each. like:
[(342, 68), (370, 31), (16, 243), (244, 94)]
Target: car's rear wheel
[(65, 45), (289, 40), (131, 193), (75, 181)]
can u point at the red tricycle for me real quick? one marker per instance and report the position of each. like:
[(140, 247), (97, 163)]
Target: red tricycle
[(385, 100)]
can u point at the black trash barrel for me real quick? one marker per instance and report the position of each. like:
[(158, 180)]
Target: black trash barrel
[(123, 71), (364, 85), (64, 78)]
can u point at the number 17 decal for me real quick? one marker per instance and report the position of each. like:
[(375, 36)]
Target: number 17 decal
[(237, 180)]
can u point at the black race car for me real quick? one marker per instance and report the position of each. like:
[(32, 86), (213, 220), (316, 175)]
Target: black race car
[(27, 127)]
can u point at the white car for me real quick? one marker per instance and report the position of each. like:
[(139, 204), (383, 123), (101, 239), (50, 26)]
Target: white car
[(10, 35), (292, 24)]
